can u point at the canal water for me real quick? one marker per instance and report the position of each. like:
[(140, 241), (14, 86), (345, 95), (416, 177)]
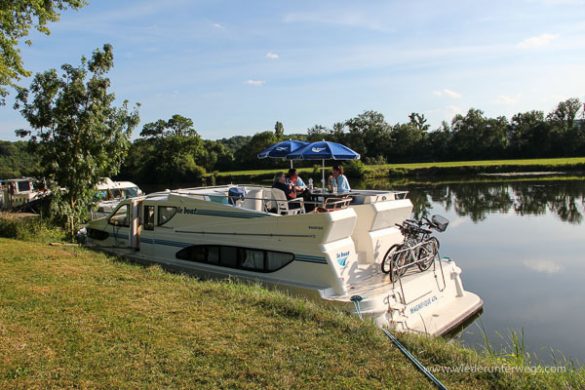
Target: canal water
[(521, 245)]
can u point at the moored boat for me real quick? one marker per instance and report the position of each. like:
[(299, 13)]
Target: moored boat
[(328, 247)]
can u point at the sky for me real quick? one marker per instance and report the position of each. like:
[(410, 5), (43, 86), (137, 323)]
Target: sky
[(237, 67)]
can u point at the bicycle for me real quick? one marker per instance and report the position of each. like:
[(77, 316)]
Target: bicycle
[(419, 246)]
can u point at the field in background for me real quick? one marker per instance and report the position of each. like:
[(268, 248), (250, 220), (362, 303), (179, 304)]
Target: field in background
[(454, 167)]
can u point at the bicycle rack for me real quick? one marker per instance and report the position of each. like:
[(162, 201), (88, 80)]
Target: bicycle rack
[(397, 279)]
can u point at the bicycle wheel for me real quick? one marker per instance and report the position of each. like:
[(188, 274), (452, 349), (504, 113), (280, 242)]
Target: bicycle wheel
[(387, 261), (400, 260), (428, 253)]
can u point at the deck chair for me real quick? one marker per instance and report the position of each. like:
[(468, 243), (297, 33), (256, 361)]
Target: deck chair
[(283, 204), (333, 204)]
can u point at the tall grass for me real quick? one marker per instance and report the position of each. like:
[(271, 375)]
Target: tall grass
[(29, 227)]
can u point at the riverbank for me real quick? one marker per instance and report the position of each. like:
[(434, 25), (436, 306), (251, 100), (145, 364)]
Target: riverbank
[(430, 169), (71, 317)]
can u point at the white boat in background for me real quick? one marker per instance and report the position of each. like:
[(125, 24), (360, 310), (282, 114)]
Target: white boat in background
[(110, 193), (332, 253), (17, 193)]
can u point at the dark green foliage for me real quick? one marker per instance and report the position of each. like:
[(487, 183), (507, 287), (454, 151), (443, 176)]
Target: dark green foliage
[(16, 160), (29, 228), (171, 151)]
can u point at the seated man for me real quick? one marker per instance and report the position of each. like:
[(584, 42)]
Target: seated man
[(280, 183), (294, 179)]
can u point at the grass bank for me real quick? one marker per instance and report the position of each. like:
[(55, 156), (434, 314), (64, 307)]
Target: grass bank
[(435, 168), (70, 317)]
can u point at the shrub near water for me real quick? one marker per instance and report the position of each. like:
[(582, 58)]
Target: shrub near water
[(29, 227)]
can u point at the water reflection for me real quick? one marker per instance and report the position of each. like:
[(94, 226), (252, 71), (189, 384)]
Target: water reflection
[(521, 248), (476, 200)]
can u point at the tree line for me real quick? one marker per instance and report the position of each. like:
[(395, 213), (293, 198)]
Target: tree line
[(172, 150)]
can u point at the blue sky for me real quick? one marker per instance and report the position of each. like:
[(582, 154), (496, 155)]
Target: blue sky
[(236, 67)]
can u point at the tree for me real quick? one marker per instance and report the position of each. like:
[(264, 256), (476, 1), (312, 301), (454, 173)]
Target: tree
[(408, 139), (369, 134), (567, 135), (176, 125), (16, 20), (174, 152), (77, 133), (529, 135), (318, 133), (278, 130)]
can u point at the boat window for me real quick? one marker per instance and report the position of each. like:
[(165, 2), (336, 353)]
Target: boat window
[(277, 260), (116, 193), (212, 255), (228, 256), (96, 234), (165, 214), (23, 186), (121, 216), (131, 192), (252, 259), (148, 218), (235, 257)]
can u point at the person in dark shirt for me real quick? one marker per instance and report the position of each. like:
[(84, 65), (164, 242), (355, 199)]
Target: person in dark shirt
[(280, 183)]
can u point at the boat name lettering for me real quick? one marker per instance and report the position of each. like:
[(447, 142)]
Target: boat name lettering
[(342, 258), (423, 304), (315, 227), (186, 210)]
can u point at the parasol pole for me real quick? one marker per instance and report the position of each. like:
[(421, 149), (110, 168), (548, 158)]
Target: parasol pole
[(323, 174)]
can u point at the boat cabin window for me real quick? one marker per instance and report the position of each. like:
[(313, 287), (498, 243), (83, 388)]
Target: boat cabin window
[(148, 223), (165, 214), (121, 216), (116, 193), (131, 192), (23, 186), (235, 257)]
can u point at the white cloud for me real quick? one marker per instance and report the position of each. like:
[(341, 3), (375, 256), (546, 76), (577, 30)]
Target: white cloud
[(448, 93), (537, 41), (272, 56), (543, 266), (255, 83), (218, 26)]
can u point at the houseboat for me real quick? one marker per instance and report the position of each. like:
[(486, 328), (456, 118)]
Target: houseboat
[(327, 247)]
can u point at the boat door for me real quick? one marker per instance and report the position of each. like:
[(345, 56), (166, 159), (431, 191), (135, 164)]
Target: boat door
[(125, 222), (147, 213)]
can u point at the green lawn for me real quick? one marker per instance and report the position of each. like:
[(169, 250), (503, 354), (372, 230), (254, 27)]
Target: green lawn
[(542, 162), (70, 317)]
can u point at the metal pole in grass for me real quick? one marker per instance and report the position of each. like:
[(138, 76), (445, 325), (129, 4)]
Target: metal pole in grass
[(356, 299)]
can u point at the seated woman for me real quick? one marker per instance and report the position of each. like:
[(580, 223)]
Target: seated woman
[(294, 179), (280, 183), (340, 180)]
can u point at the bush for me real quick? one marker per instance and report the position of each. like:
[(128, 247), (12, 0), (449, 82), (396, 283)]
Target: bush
[(378, 160), (29, 228), (355, 169)]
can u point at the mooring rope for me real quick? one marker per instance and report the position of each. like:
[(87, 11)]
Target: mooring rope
[(356, 299)]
